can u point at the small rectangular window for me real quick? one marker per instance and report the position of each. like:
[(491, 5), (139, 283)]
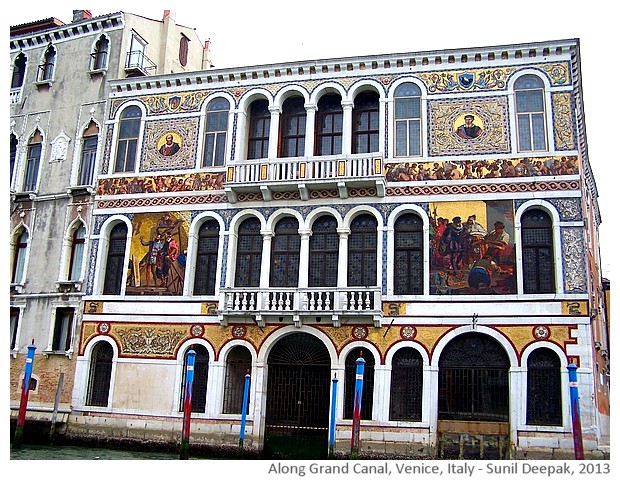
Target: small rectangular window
[(14, 325), (63, 327)]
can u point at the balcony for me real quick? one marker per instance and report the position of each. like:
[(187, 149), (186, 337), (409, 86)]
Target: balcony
[(16, 95), (138, 64), (295, 304), (305, 174)]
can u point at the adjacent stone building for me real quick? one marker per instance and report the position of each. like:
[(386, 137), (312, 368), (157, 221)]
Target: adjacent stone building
[(60, 83)]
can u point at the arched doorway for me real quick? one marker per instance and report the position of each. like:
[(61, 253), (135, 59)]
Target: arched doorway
[(298, 398), (473, 400)]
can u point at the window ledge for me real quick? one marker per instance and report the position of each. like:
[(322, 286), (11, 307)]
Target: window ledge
[(66, 286), (78, 190), (43, 83), (23, 196), (99, 71), (67, 353), (17, 288)]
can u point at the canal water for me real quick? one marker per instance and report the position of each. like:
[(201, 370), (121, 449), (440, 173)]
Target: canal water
[(46, 452)]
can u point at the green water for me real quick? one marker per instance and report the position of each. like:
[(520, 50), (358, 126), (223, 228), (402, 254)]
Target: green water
[(46, 452)]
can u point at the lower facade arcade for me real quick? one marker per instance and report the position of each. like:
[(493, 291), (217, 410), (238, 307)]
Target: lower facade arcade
[(438, 390)]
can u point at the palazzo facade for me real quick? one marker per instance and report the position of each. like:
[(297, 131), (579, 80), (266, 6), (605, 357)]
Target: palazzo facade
[(433, 213)]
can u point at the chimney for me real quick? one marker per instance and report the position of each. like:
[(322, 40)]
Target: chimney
[(170, 14), (79, 15)]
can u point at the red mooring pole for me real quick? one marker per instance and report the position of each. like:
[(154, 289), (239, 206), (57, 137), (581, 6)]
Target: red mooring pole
[(357, 408), (574, 410), (187, 404), (23, 403)]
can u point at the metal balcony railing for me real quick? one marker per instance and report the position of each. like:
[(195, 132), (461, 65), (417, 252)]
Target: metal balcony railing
[(299, 302), (138, 63), (341, 171)]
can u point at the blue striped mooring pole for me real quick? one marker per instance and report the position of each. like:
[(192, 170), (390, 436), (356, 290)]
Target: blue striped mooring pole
[(332, 422), (244, 409)]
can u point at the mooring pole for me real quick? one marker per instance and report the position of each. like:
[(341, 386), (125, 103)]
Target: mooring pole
[(244, 409), (332, 422), (574, 410), (357, 408), (187, 404), (61, 380), (23, 402)]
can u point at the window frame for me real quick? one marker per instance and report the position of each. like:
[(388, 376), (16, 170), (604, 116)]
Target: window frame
[(548, 389), (127, 144), (100, 54), (293, 126), (214, 153), (543, 279), (18, 74), (330, 112), (46, 69), (529, 115), (76, 241), (20, 257), (259, 129), (407, 121), (62, 331), (88, 155), (210, 256), (414, 281), (115, 259), (366, 123), (34, 152)]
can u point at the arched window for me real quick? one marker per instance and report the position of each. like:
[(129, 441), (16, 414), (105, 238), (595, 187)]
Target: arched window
[(293, 128), (368, 383), (216, 129), (366, 123), (544, 388), (285, 254), (13, 155), (46, 69), (324, 242), (258, 137), (406, 386), (19, 257), (183, 49), (328, 129), (33, 159), (362, 264), (114, 269), (100, 375), (127, 144), (537, 252), (206, 258), (19, 71), (408, 255), (530, 106), (249, 254), (238, 364), (77, 252), (473, 380), (201, 375), (90, 140), (99, 56), (408, 120)]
